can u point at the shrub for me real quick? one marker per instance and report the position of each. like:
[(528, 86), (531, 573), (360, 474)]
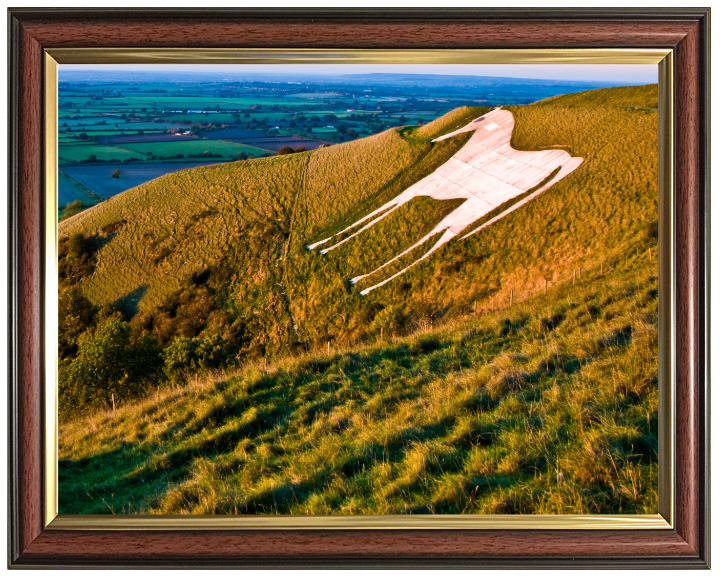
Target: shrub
[(72, 208), (194, 355), (75, 316), (76, 259), (651, 231), (116, 173), (390, 319), (77, 245), (108, 364)]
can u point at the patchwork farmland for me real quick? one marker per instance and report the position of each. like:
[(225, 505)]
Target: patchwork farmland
[(168, 120)]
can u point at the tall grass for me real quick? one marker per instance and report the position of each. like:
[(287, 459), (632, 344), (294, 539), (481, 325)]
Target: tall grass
[(547, 406)]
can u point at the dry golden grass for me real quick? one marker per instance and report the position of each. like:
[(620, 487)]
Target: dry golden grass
[(255, 218)]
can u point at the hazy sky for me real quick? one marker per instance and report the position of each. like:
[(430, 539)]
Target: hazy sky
[(616, 73)]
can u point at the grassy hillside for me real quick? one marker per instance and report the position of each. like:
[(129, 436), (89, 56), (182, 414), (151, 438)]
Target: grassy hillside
[(460, 387), (249, 223), (547, 406)]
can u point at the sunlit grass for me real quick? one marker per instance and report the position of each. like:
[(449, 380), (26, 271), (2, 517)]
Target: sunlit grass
[(509, 412)]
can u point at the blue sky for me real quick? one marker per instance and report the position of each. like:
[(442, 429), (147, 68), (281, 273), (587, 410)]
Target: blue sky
[(615, 73)]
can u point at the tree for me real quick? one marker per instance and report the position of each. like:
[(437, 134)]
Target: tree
[(98, 372), (107, 364), (390, 319), (75, 316), (116, 173), (77, 245), (284, 150), (72, 208)]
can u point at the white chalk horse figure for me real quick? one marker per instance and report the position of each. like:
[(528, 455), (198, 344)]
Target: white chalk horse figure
[(486, 171)]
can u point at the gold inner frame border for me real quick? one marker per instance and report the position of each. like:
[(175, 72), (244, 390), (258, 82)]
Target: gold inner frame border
[(663, 520)]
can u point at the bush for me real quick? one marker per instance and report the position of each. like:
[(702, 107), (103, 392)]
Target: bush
[(116, 173), (651, 231), (107, 364), (76, 260), (75, 316), (390, 319), (77, 245), (72, 208), (194, 355)]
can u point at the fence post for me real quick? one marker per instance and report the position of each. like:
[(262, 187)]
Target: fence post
[(650, 252), (475, 308), (382, 330), (574, 275), (113, 401), (511, 296), (545, 285), (328, 347)]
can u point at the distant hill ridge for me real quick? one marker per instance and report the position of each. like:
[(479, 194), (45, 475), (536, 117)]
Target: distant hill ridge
[(380, 78), (460, 80)]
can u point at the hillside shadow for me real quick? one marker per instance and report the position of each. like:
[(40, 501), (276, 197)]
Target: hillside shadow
[(128, 304), (97, 241)]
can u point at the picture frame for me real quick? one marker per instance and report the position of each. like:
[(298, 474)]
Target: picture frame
[(34, 541)]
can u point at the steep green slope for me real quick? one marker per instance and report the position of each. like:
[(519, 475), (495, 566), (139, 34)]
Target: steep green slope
[(251, 221), (601, 211), (548, 406), (222, 250), (400, 402)]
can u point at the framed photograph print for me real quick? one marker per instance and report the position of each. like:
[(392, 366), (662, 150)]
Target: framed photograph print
[(344, 288)]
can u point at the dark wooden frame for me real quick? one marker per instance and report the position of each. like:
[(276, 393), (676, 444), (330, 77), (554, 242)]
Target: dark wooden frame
[(685, 31)]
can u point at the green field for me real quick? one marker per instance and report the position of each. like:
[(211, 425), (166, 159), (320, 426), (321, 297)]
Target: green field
[(253, 107), (195, 103), (187, 147), (77, 152), (105, 131)]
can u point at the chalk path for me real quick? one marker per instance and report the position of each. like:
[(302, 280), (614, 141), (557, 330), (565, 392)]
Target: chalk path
[(486, 172)]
